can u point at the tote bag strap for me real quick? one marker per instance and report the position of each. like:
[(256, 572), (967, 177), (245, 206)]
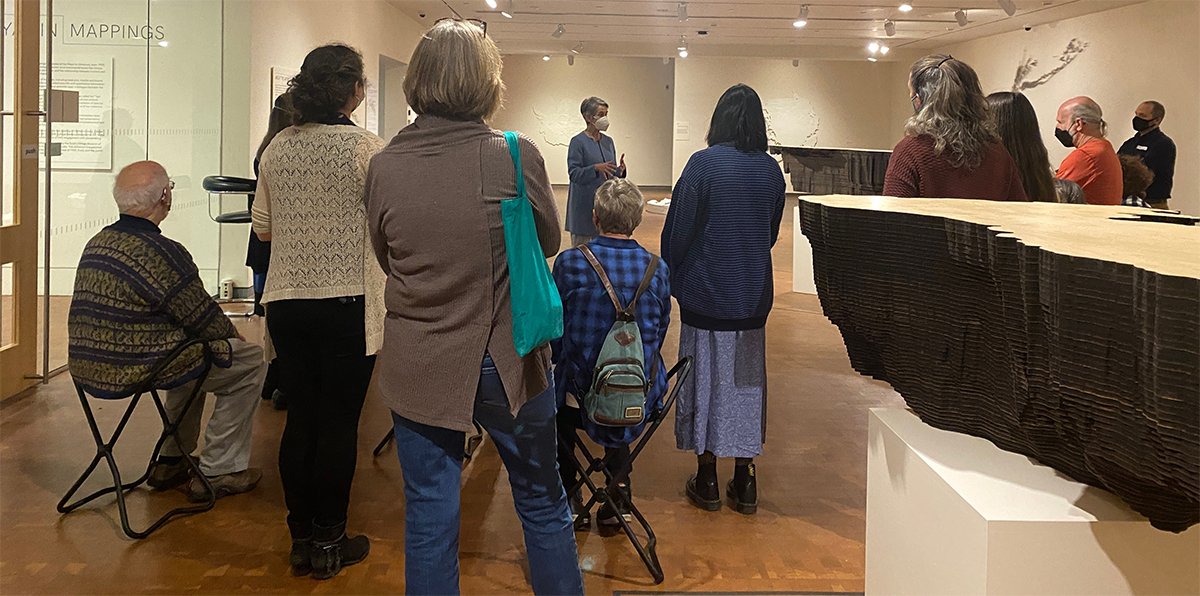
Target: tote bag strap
[(515, 150)]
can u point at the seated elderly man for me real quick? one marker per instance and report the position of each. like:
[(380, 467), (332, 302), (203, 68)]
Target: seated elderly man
[(138, 296), (589, 314)]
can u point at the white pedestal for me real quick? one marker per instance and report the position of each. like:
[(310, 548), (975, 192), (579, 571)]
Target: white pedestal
[(948, 513), (802, 264)]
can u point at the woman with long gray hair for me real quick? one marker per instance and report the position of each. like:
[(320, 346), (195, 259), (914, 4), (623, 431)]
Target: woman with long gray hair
[(591, 161), (951, 149)]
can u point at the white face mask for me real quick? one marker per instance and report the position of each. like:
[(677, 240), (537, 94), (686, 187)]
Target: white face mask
[(601, 123)]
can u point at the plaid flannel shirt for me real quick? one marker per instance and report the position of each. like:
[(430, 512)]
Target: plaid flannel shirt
[(588, 315)]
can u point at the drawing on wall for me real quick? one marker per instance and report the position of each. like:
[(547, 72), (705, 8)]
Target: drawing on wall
[(559, 122), (1024, 70), (791, 122)]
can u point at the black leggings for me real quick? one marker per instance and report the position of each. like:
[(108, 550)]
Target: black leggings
[(325, 375), (568, 421)]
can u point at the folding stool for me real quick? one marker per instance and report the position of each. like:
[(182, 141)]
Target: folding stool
[(608, 492), (104, 450)]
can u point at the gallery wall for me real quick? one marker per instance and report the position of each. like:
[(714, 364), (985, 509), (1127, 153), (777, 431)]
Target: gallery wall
[(1119, 58), (543, 99), (819, 103)]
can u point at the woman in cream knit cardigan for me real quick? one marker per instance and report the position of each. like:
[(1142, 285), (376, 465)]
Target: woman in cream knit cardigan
[(324, 297)]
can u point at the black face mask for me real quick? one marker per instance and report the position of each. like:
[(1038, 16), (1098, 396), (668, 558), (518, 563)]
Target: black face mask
[(1141, 124), (1064, 137)]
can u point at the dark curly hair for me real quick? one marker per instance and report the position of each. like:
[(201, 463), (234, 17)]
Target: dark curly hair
[(326, 83), (1135, 176)]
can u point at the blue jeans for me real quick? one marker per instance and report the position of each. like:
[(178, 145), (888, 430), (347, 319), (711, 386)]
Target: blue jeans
[(431, 462)]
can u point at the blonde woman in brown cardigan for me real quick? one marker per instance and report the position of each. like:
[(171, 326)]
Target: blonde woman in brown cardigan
[(433, 200)]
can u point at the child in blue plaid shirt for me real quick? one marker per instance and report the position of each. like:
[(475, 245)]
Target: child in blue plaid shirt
[(588, 314)]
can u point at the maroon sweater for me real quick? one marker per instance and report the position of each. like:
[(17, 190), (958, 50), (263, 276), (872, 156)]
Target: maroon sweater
[(916, 171)]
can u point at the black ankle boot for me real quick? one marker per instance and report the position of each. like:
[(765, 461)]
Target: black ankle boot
[(743, 490), (702, 488), (332, 550), (302, 540)]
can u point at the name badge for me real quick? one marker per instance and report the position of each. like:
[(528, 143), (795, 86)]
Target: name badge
[(1142, 148)]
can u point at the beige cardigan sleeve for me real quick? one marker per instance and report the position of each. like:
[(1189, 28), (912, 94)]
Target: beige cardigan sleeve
[(260, 215)]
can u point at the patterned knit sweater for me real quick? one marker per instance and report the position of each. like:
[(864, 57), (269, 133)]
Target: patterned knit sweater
[(310, 198), (138, 296)]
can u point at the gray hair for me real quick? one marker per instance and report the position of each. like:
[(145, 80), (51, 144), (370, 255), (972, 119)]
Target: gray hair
[(591, 105), (1068, 191), (619, 206), (953, 111), (137, 195), (1089, 111)]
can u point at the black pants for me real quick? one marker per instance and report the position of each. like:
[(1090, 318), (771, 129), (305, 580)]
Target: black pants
[(325, 374), (568, 421)]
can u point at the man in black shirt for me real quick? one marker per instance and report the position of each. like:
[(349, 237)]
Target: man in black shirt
[(1156, 149)]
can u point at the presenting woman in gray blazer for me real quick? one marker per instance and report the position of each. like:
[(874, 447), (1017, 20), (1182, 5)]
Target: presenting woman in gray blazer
[(591, 161)]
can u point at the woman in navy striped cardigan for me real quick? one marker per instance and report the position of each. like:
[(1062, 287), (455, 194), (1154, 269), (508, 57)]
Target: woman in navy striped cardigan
[(724, 219)]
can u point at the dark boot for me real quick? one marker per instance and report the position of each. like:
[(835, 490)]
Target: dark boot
[(702, 488), (271, 382), (302, 541), (743, 489), (332, 550), (259, 311)]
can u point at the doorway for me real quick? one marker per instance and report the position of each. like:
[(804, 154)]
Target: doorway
[(394, 113)]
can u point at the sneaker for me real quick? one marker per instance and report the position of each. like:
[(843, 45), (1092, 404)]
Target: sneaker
[(164, 476), (702, 488), (616, 506), (743, 490), (580, 519), (225, 484)]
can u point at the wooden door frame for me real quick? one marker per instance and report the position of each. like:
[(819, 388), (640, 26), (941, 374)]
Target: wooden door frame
[(19, 241)]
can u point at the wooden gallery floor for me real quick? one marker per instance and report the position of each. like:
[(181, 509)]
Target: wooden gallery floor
[(807, 536)]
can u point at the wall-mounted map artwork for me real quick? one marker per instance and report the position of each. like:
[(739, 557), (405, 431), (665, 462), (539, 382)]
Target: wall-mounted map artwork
[(791, 122), (1025, 79), (559, 122)]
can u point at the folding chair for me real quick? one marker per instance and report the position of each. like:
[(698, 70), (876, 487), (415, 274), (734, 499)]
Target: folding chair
[(473, 441), (104, 450), (608, 492)]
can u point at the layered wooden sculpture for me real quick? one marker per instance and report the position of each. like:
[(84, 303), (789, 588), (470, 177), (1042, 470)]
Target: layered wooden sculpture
[(1051, 330)]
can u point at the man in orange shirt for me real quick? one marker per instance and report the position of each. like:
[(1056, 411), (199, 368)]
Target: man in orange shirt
[(1093, 165)]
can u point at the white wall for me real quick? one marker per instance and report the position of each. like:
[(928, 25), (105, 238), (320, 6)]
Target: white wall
[(1139, 52), (285, 31), (822, 103), (543, 99)]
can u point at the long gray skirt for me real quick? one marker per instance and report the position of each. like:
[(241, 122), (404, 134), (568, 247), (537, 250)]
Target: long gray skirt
[(722, 407)]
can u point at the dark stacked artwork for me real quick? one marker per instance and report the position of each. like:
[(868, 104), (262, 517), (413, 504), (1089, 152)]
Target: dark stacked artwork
[(1051, 330)]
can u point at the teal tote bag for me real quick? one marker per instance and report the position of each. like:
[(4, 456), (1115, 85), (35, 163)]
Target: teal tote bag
[(536, 307)]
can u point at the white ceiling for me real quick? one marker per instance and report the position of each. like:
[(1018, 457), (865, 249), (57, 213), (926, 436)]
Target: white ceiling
[(837, 29)]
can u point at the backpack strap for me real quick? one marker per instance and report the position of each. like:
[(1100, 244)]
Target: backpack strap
[(608, 287), (647, 279)]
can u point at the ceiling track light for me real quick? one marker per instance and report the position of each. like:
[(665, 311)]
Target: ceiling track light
[(802, 18), (1010, 7), (960, 15), (884, 50), (872, 59), (559, 32), (508, 10), (683, 14), (682, 43), (905, 6), (889, 27), (491, 3), (546, 58), (578, 48), (873, 47), (570, 60)]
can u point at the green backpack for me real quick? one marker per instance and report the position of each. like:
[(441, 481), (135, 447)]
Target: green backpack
[(619, 382)]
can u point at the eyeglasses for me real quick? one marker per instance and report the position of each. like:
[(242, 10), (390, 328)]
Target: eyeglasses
[(169, 188), (477, 22)]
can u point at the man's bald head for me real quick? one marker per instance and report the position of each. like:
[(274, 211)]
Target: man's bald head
[(140, 188), (1081, 109)]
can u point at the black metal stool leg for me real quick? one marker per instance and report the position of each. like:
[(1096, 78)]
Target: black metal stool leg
[(388, 438)]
